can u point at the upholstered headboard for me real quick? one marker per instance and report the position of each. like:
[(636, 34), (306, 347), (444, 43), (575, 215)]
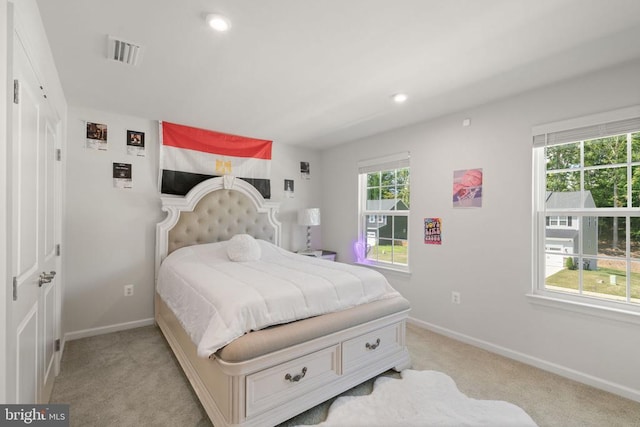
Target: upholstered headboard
[(215, 210)]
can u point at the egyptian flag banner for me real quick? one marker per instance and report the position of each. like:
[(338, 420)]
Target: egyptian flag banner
[(190, 155)]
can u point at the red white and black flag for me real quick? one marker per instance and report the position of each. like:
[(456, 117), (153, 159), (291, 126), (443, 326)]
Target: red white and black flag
[(190, 155)]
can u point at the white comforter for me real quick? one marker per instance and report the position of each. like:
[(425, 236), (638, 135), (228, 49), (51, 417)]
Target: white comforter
[(217, 300)]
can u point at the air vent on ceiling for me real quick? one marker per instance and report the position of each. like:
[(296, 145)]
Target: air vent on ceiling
[(124, 51)]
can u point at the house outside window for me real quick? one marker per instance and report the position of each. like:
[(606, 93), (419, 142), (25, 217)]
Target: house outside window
[(587, 212), (560, 221), (384, 189)]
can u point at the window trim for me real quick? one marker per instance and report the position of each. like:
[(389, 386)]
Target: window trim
[(578, 129), (552, 300), (394, 161)]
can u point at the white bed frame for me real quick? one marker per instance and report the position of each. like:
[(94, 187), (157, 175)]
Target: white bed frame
[(272, 388)]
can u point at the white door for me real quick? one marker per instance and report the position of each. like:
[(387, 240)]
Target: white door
[(50, 218), (36, 222)]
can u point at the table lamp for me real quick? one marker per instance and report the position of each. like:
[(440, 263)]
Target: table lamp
[(309, 217)]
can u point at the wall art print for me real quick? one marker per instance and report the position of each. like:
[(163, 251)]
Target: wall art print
[(467, 188), (122, 175), (288, 188), (135, 143), (433, 231), (96, 136)]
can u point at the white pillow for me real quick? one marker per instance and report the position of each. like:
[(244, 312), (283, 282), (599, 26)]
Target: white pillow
[(242, 248)]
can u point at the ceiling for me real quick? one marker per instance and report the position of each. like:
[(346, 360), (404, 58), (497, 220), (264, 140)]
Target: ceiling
[(317, 73)]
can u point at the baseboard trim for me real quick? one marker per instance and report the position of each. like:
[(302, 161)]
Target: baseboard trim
[(85, 333), (563, 371)]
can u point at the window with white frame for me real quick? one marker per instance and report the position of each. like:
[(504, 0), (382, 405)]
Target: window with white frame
[(384, 212), (587, 210)]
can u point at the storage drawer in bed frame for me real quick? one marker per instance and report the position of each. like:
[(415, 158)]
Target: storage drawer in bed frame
[(258, 393), (372, 346), (285, 382)]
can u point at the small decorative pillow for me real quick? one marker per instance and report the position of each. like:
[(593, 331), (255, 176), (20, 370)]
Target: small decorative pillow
[(242, 248)]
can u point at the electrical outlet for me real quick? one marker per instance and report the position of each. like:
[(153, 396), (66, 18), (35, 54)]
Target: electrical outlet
[(128, 290), (455, 297)]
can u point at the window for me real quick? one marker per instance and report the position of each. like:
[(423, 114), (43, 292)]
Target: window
[(559, 221), (384, 212), (587, 213)]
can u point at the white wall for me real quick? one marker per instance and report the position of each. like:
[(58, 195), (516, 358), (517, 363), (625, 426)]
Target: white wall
[(5, 277), (486, 253), (110, 233)]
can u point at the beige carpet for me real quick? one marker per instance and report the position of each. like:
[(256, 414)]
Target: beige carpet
[(131, 378)]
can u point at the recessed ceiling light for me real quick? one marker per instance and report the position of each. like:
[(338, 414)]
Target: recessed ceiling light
[(399, 98), (218, 22)]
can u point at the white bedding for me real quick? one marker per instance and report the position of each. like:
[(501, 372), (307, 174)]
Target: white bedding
[(217, 300)]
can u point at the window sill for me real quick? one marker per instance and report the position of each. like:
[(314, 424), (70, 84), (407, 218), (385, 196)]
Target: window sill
[(611, 313), (383, 268)]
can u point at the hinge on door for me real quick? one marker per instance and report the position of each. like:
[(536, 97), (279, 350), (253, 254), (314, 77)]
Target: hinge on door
[(15, 288), (58, 154), (57, 345), (16, 91), (58, 249)]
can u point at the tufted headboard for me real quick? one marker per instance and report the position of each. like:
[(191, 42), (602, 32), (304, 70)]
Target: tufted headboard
[(215, 210)]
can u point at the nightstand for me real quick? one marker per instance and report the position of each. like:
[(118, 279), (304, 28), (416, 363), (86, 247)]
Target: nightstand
[(320, 253), (330, 255)]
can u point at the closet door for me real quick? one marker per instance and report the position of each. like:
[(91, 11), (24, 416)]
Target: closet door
[(35, 189), (51, 222)]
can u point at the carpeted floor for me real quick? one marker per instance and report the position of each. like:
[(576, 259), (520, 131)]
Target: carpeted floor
[(131, 378)]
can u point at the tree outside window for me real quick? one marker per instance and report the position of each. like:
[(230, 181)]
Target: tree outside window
[(591, 219), (384, 212)]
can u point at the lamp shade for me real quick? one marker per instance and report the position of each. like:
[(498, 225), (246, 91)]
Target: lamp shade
[(309, 217)]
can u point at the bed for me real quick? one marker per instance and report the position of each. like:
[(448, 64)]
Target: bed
[(266, 375)]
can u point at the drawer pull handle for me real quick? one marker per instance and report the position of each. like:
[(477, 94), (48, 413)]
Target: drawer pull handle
[(373, 346), (296, 378)]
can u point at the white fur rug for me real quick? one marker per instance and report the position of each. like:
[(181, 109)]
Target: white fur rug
[(422, 398)]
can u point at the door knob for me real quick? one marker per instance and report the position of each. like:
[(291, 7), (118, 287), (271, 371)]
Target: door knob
[(46, 278)]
